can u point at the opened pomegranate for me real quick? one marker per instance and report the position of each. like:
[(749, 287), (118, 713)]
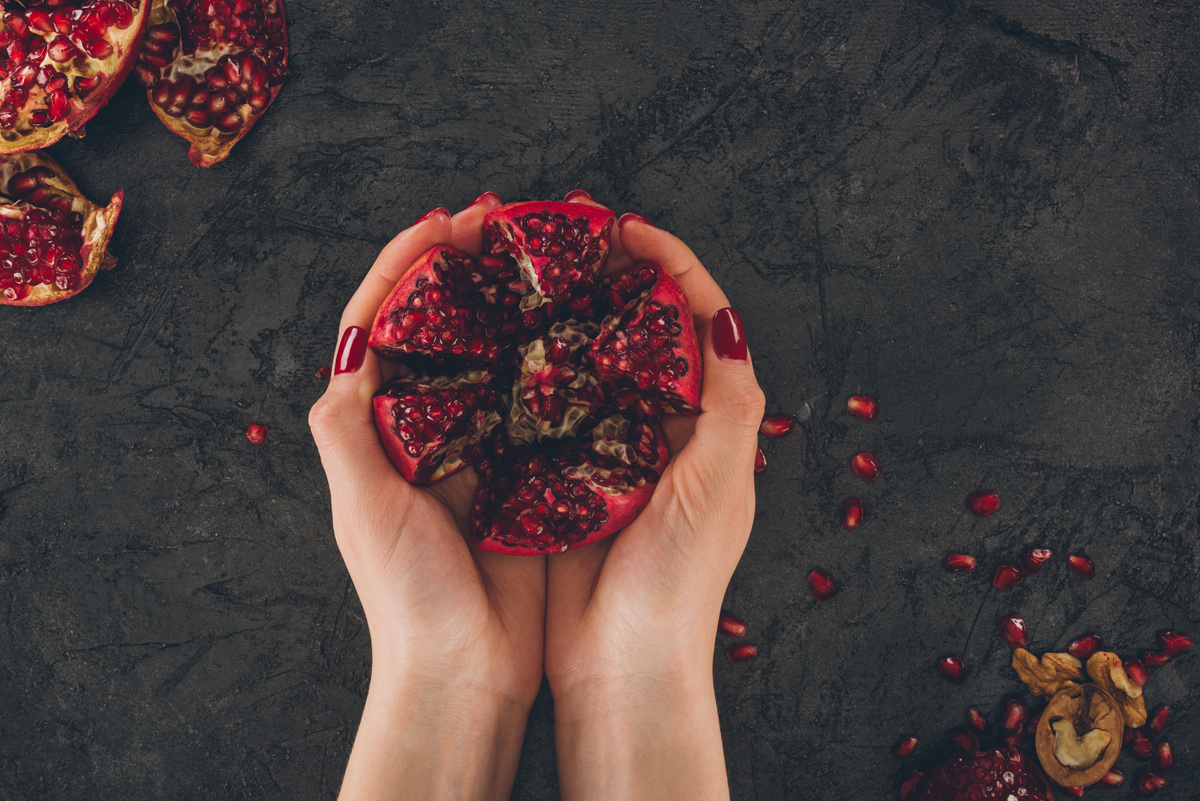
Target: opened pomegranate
[(547, 380), (211, 68), (53, 240), (61, 60), (999, 774)]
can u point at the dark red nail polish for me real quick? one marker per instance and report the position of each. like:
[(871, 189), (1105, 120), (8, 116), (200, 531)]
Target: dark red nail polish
[(577, 194), (485, 196), (729, 335), (630, 216), (428, 214), (351, 351)]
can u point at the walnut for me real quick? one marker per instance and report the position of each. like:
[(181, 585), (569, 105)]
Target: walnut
[(1106, 670), (1053, 673), (1079, 735)]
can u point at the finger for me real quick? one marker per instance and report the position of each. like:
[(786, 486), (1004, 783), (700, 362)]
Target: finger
[(617, 258), (644, 242), (467, 225)]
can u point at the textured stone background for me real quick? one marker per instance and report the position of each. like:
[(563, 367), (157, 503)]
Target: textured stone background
[(984, 214)]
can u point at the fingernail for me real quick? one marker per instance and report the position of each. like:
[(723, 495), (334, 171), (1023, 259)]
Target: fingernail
[(428, 214), (486, 196), (629, 216), (577, 194), (729, 335), (351, 351)]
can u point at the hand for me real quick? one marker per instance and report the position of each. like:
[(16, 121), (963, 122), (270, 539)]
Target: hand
[(631, 620), (456, 633)]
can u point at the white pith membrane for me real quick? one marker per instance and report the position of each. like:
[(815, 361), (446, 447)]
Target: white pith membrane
[(524, 427), (476, 427), (607, 440), (515, 241)]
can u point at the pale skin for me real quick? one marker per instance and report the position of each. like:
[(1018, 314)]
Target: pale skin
[(622, 629)]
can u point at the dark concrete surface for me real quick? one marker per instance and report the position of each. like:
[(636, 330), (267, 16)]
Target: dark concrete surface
[(983, 214)]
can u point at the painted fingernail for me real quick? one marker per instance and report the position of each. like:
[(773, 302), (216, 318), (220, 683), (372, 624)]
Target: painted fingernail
[(486, 196), (577, 194), (351, 351), (430, 213), (729, 335), (629, 216)]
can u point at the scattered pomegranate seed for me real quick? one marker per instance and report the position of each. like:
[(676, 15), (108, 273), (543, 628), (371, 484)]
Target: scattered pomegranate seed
[(863, 406), (1174, 643), (1081, 566), (908, 790), (778, 426), (1014, 715), (964, 739), (1164, 760), (1083, 647), (1126, 737), (1114, 778), (1140, 746), (904, 747), (1074, 792), (1154, 659), (866, 467), (976, 719), (256, 433), (1006, 576), (1148, 783), (1013, 631), (953, 669), (983, 504), (322, 373), (824, 586), (741, 652), (1158, 719), (854, 512), (1032, 724), (1014, 739), (1034, 558), (1137, 672), (960, 563), (760, 462), (732, 625)]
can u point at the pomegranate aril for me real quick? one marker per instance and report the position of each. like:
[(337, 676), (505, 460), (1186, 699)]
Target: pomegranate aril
[(960, 563), (1073, 792), (760, 462), (952, 669), (778, 426), (1083, 647), (1114, 778), (866, 467), (976, 720), (1013, 631), (1158, 719), (1140, 746), (1013, 716), (741, 652), (853, 513), (863, 406), (964, 739), (1032, 724), (904, 747), (908, 790), (823, 585), (983, 504), (1164, 759), (731, 624), (256, 433), (1006, 576), (1034, 558), (1148, 783), (1173, 642), (1154, 659), (1136, 671), (1081, 565), (322, 373), (1013, 739)]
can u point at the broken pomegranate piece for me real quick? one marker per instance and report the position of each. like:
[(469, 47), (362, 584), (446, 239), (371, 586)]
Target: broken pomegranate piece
[(211, 67), (983, 504), (863, 406), (998, 774), (53, 240)]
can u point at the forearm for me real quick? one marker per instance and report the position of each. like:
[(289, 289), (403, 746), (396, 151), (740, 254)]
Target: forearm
[(654, 737)]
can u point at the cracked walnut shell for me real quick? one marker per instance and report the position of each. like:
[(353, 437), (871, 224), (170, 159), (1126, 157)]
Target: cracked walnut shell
[(1079, 735), (1108, 673), (1053, 673)]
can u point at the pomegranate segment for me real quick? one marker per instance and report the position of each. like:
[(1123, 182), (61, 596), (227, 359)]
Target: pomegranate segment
[(778, 426), (1173, 642), (998, 774), (211, 67), (952, 668), (853, 513), (1083, 647), (866, 467), (863, 406), (256, 434), (555, 393), (1007, 576), (1081, 566), (731, 624), (983, 504), (61, 61), (1034, 559), (960, 563), (741, 652), (1013, 631), (53, 240), (823, 585), (904, 747)]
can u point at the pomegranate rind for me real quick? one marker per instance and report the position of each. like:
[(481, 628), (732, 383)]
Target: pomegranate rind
[(116, 67), (98, 223)]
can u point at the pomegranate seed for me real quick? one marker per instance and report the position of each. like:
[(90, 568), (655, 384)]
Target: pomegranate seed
[(863, 406), (1114, 778), (1013, 631), (776, 427), (1148, 783), (866, 467), (1140, 746), (732, 625), (1081, 566), (1014, 715), (824, 586), (904, 747), (1137, 672), (1032, 724), (960, 563), (1083, 647), (1074, 792), (983, 504), (854, 512), (741, 652), (1006, 576), (976, 720), (1154, 659), (964, 739), (1158, 719), (760, 463), (1174, 643), (256, 433), (908, 790), (322, 373), (1034, 558), (1126, 737), (952, 669), (1164, 760), (1014, 739)]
